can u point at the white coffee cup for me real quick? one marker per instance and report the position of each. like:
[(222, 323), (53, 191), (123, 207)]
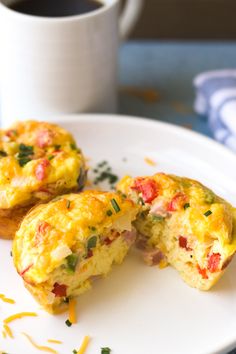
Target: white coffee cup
[(51, 66)]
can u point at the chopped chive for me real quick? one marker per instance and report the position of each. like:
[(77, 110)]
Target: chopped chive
[(157, 218), (75, 351), (57, 147), (11, 253), (207, 213), (50, 157), (24, 154), (92, 228), (66, 300), (95, 170), (72, 261), (92, 242), (3, 153), (105, 350), (140, 201), (68, 204), (73, 146), (26, 148), (68, 323), (186, 206), (115, 205), (23, 161), (109, 213)]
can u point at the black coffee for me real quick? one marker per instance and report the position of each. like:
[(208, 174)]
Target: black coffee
[(55, 8)]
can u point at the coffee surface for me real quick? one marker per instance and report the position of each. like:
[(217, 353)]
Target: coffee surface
[(55, 8)]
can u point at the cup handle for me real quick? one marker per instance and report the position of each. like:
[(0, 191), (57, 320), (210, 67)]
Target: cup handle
[(129, 17)]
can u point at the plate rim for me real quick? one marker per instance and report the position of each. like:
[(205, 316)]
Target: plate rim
[(127, 119)]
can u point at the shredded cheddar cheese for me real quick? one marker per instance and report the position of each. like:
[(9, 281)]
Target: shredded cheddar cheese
[(163, 264), (6, 299), (84, 345), (8, 330), (19, 315), (40, 347), (55, 341), (72, 311), (149, 161), (4, 334)]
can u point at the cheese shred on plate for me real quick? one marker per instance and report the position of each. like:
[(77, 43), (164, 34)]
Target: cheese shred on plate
[(72, 311), (6, 299), (7, 330), (4, 334), (19, 315), (149, 161), (40, 347), (55, 341), (84, 345)]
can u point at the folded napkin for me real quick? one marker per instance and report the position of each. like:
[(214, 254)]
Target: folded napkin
[(216, 99)]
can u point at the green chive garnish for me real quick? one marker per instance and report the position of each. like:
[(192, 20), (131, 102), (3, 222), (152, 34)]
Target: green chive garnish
[(72, 261), (207, 213), (74, 351), (23, 161), (26, 148), (105, 350), (186, 206), (57, 147), (68, 204), (109, 213), (24, 154), (68, 323), (115, 205), (92, 228), (66, 300), (157, 218), (140, 201), (92, 242), (73, 146), (50, 157)]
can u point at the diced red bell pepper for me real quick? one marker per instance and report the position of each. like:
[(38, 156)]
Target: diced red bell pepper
[(42, 229), (41, 169), (44, 138), (108, 241), (177, 202), (213, 262), (89, 253), (202, 271), (59, 290), (11, 133), (183, 243), (25, 270), (147, 187)]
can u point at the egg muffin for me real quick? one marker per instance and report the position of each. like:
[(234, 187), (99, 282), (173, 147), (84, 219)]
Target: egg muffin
[(38, 161), (63, 246), (184, 224)]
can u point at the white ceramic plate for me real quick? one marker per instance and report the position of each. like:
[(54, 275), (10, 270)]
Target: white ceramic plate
[(137, 309)]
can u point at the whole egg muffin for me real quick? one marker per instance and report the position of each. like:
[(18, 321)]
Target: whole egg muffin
[(63, 246), (38, 161), (185, 224)]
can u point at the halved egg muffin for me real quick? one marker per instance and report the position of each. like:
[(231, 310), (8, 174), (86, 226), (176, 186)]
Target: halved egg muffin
[(63, 246), (185, 224), (38, 161)]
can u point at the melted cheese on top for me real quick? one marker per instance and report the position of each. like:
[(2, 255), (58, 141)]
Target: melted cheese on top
[(219, 225), (54, 164), (51, 232)]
